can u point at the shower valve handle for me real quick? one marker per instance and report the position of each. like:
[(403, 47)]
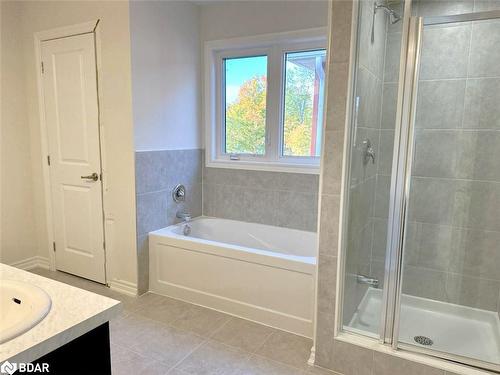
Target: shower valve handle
[(369, 152)]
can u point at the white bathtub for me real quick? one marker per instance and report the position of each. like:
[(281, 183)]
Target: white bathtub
[(258, 272)]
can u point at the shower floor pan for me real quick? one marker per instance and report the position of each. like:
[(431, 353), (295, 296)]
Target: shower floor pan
[(455, 329)]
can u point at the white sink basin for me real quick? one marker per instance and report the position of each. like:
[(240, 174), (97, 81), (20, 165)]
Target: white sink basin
[(22, 306)]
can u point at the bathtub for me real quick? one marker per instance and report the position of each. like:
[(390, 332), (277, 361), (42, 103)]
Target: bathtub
[(258, 272)]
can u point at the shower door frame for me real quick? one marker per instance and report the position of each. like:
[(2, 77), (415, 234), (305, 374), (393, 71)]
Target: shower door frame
[(400, 188), (390, 266), (391, 261)]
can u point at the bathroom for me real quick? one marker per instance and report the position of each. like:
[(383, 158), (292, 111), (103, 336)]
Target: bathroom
[(345, 223)]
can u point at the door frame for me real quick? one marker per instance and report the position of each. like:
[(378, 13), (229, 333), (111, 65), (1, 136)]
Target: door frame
[(39, 38)]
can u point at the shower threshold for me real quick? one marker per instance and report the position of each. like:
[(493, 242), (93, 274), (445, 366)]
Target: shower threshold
[(441, 326)]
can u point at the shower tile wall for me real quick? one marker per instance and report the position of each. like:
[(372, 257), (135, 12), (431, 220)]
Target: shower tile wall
[(453, 243), (366, 226), (283, 199), (157, 173)]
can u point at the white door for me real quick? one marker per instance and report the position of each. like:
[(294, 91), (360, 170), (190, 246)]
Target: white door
[(71, 115)]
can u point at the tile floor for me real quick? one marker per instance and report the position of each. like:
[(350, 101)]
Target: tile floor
[(156, 335)]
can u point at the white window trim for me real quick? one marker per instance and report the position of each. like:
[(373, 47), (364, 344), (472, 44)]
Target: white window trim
[(274, 45)]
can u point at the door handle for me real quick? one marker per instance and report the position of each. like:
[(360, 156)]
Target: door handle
[(94, 177)]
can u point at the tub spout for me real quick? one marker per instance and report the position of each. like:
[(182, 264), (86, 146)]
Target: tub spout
[(186, 216)]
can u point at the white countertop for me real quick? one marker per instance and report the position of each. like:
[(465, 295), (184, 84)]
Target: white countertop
[(74, 312)]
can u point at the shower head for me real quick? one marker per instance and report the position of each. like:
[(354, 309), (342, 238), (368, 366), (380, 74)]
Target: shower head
[(393, 16)]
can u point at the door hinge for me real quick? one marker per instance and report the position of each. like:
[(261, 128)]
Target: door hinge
[(43, 69), (48, 159), (54, 245)]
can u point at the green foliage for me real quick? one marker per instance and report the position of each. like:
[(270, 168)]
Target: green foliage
[(246, 119), (298, 111)]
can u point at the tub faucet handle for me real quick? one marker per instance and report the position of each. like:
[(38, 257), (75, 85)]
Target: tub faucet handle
[(179, 193)]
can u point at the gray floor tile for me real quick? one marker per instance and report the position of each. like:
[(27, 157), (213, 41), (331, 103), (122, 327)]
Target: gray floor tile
[(200, 320), (164, 343), (126, 362), (243, 334), (163, 309), (257, 365), (287, 348), (213, 358)]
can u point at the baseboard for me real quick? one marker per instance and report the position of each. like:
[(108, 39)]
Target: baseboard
[(33, 262), (122, 286), (272, 318)]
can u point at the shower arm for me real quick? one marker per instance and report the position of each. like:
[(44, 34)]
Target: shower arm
[(393, 16)]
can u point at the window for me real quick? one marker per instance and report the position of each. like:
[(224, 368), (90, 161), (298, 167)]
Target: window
[(264, 101), (303, 109), (245, 93)]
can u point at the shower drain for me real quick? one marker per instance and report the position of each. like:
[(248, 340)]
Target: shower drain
[(422, 340)]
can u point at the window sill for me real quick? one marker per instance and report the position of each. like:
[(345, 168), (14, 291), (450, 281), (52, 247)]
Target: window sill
[(265, 166)]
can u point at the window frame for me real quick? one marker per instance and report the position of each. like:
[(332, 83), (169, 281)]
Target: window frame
[(275, 47)]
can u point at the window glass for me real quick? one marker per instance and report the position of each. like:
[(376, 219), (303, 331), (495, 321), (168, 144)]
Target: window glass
[(303, 103), (245, 91)]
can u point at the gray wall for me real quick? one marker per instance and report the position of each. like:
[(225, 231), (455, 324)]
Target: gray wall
[(282, 199), (453, 243), (157, 173)]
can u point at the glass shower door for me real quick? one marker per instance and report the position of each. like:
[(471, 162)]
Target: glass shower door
[(449, 296), (370, 149)]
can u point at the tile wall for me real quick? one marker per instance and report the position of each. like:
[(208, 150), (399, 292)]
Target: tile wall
[(453, 243), (275, 198), (157, 173)]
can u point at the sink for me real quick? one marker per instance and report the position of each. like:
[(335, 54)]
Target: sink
[(22, 306)]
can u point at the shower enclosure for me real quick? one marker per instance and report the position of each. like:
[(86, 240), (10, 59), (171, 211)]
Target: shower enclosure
[(421, 225)]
